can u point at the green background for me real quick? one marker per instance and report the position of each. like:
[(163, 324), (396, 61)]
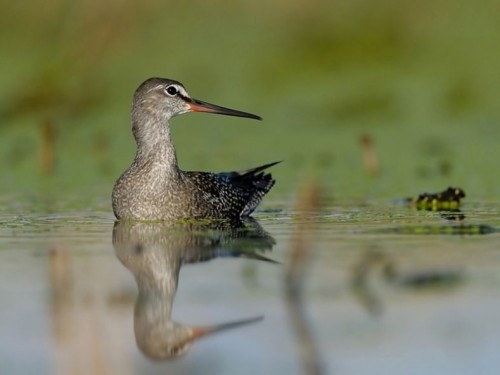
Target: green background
[(421, 79)]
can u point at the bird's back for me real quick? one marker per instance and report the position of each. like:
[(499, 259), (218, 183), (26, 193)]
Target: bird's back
[(231, 194)]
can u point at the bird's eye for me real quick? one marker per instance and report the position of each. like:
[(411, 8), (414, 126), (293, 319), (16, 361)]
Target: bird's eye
[(171, 90)]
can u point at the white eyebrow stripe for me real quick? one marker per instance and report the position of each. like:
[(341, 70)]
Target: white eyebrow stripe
[(182, 91)]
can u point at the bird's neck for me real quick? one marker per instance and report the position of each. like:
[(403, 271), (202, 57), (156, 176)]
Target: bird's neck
[(154, 143)]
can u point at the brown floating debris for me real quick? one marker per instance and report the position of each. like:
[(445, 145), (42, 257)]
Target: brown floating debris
[(447, 200)]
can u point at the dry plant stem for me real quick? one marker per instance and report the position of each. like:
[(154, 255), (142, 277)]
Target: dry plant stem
[(294, 282), (370, 158), (47, 153)]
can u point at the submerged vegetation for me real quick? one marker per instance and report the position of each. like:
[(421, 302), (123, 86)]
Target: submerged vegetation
[(447, 200)]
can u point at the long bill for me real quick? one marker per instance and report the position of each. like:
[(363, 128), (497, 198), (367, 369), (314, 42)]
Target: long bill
[(200, 106), (203, 331)]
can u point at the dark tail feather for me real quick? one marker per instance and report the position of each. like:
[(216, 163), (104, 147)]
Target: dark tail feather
[(261, 182), (254, 182), (254, 171)]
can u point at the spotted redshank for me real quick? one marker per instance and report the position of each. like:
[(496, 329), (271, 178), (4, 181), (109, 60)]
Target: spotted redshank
[(154, 188)]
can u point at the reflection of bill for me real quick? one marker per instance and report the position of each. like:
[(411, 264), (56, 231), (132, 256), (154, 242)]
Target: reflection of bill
[(155, 252)]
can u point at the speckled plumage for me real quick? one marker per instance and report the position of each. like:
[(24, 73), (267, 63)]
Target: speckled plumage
[(154, 188)]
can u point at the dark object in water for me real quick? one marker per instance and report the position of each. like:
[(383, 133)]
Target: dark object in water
[(425, 278), (443, 229), (422, 279), (453, 215), (447, 200)]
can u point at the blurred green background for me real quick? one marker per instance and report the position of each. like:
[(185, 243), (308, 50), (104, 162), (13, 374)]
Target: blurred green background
[(420, 79)]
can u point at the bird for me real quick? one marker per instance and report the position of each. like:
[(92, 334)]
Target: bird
[(155, 188)]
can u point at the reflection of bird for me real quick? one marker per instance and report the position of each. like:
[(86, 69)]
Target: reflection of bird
[(154, 252), (154, 187)]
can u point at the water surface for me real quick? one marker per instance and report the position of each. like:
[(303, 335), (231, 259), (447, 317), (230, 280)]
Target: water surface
[(377, 301)]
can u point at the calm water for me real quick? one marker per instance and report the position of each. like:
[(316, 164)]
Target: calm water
[(82, 295), (419, 83)]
